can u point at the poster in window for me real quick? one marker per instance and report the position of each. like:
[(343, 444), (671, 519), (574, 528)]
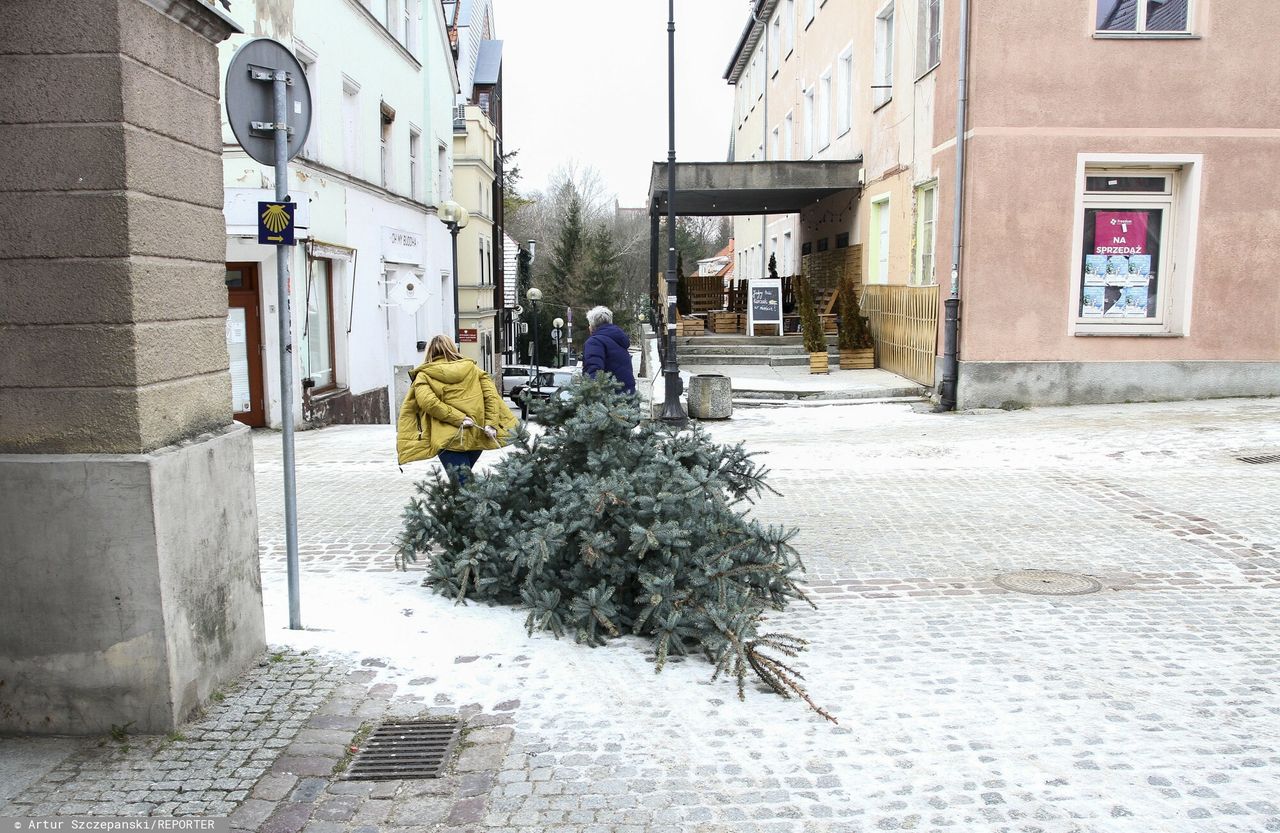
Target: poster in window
[(1113, 302), (1136, 300), (1117, 270), (1095, 269), (1093, 299), (1121, 232), (1121, 248)]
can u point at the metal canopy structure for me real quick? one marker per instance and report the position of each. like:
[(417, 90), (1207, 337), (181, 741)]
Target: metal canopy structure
[(727, 189)]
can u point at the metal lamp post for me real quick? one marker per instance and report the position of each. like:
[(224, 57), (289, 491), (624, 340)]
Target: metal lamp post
[(456, 218), (556, 332), (535, 295), (672, 411)]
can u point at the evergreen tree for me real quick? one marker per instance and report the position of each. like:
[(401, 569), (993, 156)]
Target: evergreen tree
[(611, 524), (564, 274), (601, 282)]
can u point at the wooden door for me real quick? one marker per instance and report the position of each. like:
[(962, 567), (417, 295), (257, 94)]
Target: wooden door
[(244, 344)]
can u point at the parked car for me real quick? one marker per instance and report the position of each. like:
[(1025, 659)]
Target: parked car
[(549, 383), (513, 376)]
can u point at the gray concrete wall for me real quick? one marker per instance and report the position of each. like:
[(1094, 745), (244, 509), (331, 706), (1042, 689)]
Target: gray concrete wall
[(112, 332), (131, 584), (128, 528), (1021, 384)]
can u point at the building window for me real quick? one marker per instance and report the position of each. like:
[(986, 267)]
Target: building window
[(351, 126), (415, 164), (842, 240), (929, 43), (1144, 16), (823, 245), (442, 173), (806, 249), (385, 146), (878, 256), (775, 40), (824, 110), (810, 9), (1136, 226), (844, 92), (789, 28), (787, 254), (317, 338), (883, 91), (310, 150), (774, 138), (926, 222), (808, 123), (788, 136), (409, 21)]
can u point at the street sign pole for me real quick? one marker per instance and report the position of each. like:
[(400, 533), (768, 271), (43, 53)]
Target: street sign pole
[(265, 85), (280, 97)]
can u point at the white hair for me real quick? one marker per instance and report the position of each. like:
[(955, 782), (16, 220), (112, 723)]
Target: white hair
[(599, 315)]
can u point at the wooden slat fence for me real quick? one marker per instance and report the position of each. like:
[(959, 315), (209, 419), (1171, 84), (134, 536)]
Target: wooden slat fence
[(904, 320)]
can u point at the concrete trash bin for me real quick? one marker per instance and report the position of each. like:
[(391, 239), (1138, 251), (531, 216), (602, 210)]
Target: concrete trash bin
[(710, 396)]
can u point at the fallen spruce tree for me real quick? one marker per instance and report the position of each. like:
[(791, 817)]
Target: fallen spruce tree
[(610, 524)]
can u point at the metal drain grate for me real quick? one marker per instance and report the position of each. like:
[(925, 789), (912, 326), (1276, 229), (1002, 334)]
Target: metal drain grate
[(416, 749), (1048, 583), (1265, 458)]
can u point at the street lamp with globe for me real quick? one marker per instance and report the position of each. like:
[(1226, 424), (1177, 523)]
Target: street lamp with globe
[(534, 295), (456, 218), (557, 324)]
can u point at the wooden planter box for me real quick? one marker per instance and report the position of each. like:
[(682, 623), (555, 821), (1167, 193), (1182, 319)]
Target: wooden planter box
[(726, 322), (818, 363), (863, 359)]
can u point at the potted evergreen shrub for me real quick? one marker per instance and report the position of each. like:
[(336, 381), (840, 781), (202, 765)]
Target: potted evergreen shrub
[(857, 345), (815, 340)]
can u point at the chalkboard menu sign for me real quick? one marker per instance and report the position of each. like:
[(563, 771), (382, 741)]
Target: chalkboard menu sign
[(766, 304)]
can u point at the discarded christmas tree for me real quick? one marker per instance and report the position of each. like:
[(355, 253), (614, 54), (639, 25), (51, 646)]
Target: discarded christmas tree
[(611, 524)]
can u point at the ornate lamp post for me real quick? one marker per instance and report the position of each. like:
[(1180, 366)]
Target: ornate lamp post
[(557, 325), (672, 411), (535, 295), (456, 218)]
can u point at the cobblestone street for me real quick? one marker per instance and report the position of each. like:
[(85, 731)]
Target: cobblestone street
[(1151, 705)]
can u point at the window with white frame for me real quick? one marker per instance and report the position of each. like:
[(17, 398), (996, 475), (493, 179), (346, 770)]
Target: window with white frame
[(775, 41), (785, 265), (442, 173), (926, 222), (409, 25), (1143, 16), (929, 39), (808, 123), (774, 138), (788, 135), (844, 92), (384, 146), (1136, 244), (351, 126), (310, 68), (810, 9), (883, 91), (824, 110), (415, 161), (789, 27)]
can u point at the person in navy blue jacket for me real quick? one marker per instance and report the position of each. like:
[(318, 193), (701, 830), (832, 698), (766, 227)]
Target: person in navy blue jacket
[(606, 349)]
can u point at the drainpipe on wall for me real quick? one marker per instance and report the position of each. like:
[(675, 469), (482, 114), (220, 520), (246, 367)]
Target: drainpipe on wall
[(951, 323)]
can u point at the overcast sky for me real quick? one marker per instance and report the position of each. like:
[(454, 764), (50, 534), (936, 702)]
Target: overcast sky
[(586, 80)]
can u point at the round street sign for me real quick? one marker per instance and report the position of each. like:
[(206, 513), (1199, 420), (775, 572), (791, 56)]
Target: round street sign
[(251, 99)]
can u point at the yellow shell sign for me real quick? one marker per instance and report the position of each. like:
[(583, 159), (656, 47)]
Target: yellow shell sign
[(275, 223)]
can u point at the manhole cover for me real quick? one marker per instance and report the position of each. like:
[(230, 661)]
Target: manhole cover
[(416, 749), (1264, 458), (1048, 583)]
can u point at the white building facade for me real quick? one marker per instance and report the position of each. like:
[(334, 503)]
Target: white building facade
[(371, 275)]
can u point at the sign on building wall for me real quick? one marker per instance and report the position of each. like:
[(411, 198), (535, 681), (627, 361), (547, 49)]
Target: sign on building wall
[(399, 246), (466, 336)]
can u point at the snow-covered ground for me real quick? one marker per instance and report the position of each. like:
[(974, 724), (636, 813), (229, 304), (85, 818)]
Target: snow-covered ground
[(1153, 705)]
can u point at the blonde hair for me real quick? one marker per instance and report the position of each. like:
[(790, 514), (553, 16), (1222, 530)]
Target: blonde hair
[(441, 347)]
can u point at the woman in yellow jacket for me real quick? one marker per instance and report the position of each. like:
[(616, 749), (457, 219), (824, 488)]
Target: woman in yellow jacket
[(453, 411)]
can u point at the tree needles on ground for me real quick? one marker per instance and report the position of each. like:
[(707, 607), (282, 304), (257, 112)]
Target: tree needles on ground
[(611, 524)]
